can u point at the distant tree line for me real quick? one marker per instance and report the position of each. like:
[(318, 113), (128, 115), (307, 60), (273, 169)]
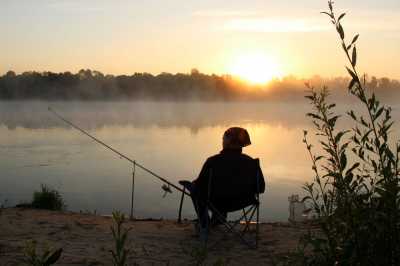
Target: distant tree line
[(94, 85)]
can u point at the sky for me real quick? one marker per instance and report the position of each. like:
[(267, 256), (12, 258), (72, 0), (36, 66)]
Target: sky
[(123, 37)]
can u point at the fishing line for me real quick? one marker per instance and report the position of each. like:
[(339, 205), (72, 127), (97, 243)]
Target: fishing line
[(120, 154)]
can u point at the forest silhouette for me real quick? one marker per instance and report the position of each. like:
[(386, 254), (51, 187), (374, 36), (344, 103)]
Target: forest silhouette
[(94, 85)]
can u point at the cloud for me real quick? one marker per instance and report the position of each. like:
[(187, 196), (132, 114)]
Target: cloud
[(268, 21), (273, 25), (258, 21), (225, 13), (75, 5)]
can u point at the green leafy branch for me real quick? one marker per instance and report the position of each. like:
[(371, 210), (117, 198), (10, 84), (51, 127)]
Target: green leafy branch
[(359, 203)]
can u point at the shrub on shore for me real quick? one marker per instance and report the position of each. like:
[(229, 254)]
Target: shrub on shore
[(356, 186), (48, 198)]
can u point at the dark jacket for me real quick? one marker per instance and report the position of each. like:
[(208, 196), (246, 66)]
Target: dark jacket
[(233, 175)]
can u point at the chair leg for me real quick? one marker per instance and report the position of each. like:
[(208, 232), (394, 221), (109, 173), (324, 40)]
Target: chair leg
[(245, 216), (180, 206), (245, 213), (257, 224), (230, 227), (248, 224), (203, 234)]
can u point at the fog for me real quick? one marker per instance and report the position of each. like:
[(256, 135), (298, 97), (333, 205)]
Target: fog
[(141, 114), (88, 85), (171, 138)]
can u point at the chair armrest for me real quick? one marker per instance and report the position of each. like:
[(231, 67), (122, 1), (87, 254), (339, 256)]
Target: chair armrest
[(186, 184)]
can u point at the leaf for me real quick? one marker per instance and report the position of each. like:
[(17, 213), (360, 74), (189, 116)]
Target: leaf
[(364, 138), (355, 39), (371, 102), (387, 127), (348, 47), (354, 57), (353, 75), (305, 199), (348, 178), (378, 113), (345, 48), (340, 30), (364, 122), (344, 146), (314, 116), (351, 84), (351, 169), (381, 148), (54, 257), (351, 113), (326, 13), (332, 121), (374, 165), (45, 255), (318, 158), (123, 259), (341, 16), (339, 136), (309, 97), (343, 161), (390, 155)]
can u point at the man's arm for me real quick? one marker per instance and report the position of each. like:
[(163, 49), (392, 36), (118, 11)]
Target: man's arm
[(261, 181), (202, 180)]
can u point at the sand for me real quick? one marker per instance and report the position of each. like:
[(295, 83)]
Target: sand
[(86, 240)]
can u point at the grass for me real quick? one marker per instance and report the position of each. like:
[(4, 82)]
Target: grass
[(120, 234), (48, 199), (46, 258)]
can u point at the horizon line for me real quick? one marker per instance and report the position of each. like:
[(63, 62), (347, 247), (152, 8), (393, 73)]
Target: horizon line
[(282, 77)]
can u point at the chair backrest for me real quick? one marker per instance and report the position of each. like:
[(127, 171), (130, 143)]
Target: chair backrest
[(234, 180)]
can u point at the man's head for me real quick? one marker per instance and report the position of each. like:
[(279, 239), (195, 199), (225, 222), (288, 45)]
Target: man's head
[(235, 138)]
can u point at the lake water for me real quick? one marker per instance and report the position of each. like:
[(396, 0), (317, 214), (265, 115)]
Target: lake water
[(172, 139)]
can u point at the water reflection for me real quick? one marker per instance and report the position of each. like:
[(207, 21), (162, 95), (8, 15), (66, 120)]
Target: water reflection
[(193, 115), (171, 139)]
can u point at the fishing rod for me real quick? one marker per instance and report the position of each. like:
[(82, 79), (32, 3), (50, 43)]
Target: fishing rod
[(167, 189)]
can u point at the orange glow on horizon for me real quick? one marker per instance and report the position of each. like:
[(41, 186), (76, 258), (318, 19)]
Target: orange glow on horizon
[(255, 68)]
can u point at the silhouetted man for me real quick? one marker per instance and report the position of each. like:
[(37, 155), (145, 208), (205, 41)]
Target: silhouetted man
[(230, 169)]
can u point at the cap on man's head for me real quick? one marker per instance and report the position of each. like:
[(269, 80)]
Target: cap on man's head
[(236, 137)]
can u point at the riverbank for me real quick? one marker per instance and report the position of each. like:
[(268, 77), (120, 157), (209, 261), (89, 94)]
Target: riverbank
[(86, 240)]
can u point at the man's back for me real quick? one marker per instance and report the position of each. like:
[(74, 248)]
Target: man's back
[(229, 180), (233, 175)]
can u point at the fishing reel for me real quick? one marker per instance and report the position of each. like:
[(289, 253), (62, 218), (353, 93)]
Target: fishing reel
[(167, 189)]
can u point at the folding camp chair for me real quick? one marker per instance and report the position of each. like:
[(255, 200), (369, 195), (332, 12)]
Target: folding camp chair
[(241, 192)]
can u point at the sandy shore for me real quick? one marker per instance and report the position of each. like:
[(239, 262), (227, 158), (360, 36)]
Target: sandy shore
[(86, 240)]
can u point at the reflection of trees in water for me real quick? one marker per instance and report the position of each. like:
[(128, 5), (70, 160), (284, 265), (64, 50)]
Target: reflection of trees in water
[(194, 115)]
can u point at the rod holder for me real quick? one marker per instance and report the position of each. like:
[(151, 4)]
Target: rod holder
[(133, 188)]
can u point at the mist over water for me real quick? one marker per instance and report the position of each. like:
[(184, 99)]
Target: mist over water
[(172, 139)]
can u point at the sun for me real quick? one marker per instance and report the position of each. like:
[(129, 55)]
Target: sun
[(255, 68)]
